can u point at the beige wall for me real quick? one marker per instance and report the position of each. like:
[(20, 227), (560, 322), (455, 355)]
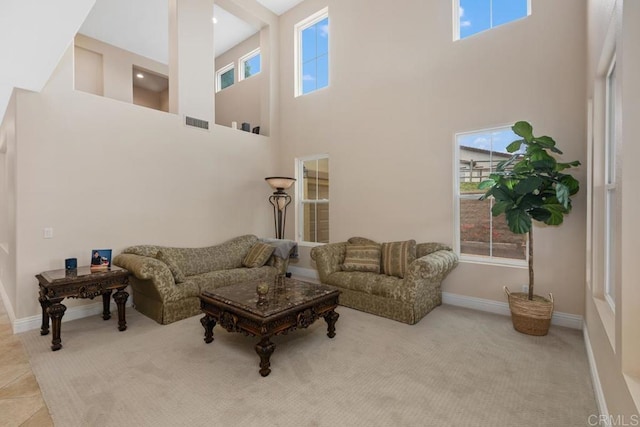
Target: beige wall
[(400, 89), (117, 68), (242, 101), (150, 99), (8, 203), (615, 336), (88, 71), (160, 182)]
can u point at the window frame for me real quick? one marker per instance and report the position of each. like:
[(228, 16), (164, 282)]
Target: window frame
[(297, 38), (244, 59), (471, 258), (300, 202), (220, 72), (456, 20), (610, 186)]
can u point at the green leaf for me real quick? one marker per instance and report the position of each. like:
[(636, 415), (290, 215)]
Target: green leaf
[(545, 141), (515, 146), (524, 130), (501, 194), (555, 150), (518, 220), (572, 184), (562, 194), (541, 160), (528, 185), (486, 184), (500, 207), (563, 166), (540, 214), (556, 214)]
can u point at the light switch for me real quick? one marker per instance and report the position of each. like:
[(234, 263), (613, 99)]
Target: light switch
[(48, 233)]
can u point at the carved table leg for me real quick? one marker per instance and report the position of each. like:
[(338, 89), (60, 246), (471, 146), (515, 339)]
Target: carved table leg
[(121, 298), (331, 318), (265, 349), (208, 323), (56, 311), (45, 304), (106, 302)]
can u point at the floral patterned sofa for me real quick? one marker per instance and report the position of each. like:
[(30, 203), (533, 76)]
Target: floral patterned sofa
[(397, 280), (166, 281)]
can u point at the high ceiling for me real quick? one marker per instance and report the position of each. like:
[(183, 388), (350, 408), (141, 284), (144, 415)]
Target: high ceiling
[(141, 26)]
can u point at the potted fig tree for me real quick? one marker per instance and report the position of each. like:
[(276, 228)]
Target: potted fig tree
[(531, 186)]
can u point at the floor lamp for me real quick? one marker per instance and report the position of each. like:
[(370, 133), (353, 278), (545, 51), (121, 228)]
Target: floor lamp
[(280, 200)]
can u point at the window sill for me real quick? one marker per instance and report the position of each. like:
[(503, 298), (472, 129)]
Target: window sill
[(608, 319), (493, 262), (310, 244)]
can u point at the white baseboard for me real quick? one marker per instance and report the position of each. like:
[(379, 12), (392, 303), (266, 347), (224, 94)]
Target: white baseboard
[(573, 321), (595, 380), (73, 313)]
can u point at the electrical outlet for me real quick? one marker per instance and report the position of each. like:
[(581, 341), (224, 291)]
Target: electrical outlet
[(47, 233), (525, 289)]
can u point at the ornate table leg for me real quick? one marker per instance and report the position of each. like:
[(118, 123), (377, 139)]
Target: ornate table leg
[(121, 298), (208, 323), (56, 311), (106, 302), (45, 304), (265, 349), (331, 318)]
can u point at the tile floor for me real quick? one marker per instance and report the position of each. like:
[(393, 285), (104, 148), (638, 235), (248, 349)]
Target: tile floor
[(21, 402)]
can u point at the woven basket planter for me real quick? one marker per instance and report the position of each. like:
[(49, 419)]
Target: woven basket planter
[(530, 317)]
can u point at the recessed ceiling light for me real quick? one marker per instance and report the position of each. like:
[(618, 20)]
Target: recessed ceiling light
[(140, 76), (215, 20)]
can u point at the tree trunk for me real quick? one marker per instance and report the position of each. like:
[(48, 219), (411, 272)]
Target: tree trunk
[(531, 264)]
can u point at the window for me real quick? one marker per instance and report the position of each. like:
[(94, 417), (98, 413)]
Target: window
[(225, 77), (313, 196), (312, 53), (249, 64), (474, 16), (481, 236), (610, 187)]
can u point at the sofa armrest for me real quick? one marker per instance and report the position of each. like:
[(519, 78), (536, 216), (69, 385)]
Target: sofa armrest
[(433, 267), (147, 268), (423, 249), (328, 258)]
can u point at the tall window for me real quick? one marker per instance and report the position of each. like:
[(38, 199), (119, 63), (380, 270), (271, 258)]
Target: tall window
[(312, 53), (481, 236), (313, 197), (610, 187), (249, 64), (225, 77), (474, 16)]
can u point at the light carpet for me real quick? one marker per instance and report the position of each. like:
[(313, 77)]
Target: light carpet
[(456, 367)]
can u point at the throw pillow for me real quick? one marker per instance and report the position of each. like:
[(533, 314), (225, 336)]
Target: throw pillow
[(178, 276), (258, 255), (396, 257), (362, 258)]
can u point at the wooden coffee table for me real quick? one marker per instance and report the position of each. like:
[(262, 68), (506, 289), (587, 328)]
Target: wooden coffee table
[(298, 305)]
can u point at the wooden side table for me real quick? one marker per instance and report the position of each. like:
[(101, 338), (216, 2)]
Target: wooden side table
[(57, 285)]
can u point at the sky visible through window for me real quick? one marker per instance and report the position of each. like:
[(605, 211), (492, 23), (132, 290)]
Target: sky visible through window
[(315, 56), (496, 140), (480, 15), (252, 66)]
